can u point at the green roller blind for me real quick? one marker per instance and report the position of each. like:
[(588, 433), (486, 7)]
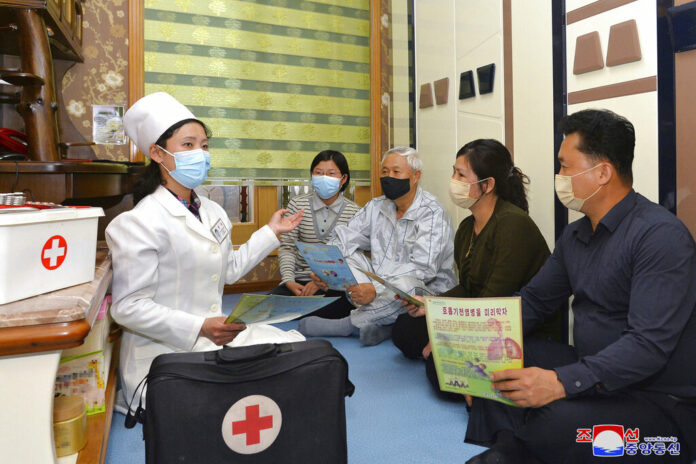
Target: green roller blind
[(277, 81)]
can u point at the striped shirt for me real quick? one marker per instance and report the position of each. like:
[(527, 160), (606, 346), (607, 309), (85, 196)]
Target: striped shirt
[(312, 229)]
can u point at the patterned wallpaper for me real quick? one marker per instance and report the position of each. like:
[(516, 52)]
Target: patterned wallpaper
[(101, 80)]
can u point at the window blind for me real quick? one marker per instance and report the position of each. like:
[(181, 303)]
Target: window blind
[(276, 81)]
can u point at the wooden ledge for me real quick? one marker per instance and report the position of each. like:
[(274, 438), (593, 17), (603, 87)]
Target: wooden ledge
[(251, 287), (86, 167), (22, 79), (44, 337)]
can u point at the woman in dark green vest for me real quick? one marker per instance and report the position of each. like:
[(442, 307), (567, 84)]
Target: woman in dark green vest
[(497, 249)]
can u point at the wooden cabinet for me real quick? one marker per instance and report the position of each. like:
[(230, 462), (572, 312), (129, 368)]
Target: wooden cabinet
[(39, 31), (62, 19)]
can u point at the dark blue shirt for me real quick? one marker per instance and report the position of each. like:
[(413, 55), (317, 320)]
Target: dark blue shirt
[(634, 286)]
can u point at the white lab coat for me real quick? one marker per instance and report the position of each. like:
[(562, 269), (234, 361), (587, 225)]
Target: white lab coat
[(169, 275)]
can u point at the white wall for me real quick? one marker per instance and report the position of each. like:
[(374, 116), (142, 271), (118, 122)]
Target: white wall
[(479, 41), (436, 137), (454, 36), (532, 88)]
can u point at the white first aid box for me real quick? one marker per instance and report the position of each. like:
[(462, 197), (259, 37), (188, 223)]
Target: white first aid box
[(46, 250)]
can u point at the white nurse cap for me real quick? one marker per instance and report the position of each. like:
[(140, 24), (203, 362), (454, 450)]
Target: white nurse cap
[(151, 116)]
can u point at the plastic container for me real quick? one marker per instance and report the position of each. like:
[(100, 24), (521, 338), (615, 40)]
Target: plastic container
[(97, 338), (84, 370), (45, 250), (69, 425)]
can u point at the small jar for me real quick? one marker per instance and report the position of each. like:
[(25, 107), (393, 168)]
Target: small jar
[(69, 424)]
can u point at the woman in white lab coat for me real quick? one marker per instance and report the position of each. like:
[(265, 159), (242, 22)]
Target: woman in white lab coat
[(172, 253)]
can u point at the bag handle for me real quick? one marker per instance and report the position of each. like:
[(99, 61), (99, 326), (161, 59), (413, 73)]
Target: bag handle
[(133, 417), (230, 355)]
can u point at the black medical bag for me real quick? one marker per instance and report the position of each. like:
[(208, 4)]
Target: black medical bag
[(272, 403)]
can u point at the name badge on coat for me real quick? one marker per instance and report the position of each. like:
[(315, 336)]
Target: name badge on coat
[(220, 231)]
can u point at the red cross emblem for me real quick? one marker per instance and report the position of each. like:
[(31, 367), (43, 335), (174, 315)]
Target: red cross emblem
[(54, 252), (252, 424)]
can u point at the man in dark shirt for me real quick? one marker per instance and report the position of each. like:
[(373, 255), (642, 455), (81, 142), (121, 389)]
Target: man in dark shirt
[(631, 267)]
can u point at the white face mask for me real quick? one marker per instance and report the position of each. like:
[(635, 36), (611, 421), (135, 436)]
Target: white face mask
[(191, 167), (565, 193), (459, 193)]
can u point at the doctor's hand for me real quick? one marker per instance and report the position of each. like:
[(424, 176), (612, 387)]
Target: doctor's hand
[(280, 225), (413, 310), (362, 294), (318, 282), (215, 329), (531, 387)]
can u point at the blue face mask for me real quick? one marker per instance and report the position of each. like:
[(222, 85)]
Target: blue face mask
[(191, 167), (326, 186)]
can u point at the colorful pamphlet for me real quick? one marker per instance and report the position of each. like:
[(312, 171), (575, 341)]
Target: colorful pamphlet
[(393, 288), (268, 309), (472, 337), (327, 262)]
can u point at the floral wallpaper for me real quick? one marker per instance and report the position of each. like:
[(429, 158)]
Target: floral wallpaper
[(103, 77)]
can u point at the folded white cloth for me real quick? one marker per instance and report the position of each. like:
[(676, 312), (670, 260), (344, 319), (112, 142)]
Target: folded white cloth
[(256, 334)]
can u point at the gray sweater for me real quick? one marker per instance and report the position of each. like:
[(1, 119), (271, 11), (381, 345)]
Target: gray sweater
[(292, 265)]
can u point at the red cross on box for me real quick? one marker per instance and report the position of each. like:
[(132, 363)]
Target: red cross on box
[(53, 252), (252, 425)]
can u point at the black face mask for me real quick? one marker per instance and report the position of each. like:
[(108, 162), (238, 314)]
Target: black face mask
[(394, 188)]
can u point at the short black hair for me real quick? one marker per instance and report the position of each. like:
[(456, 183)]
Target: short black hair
[(604, 135), (338, 158)]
